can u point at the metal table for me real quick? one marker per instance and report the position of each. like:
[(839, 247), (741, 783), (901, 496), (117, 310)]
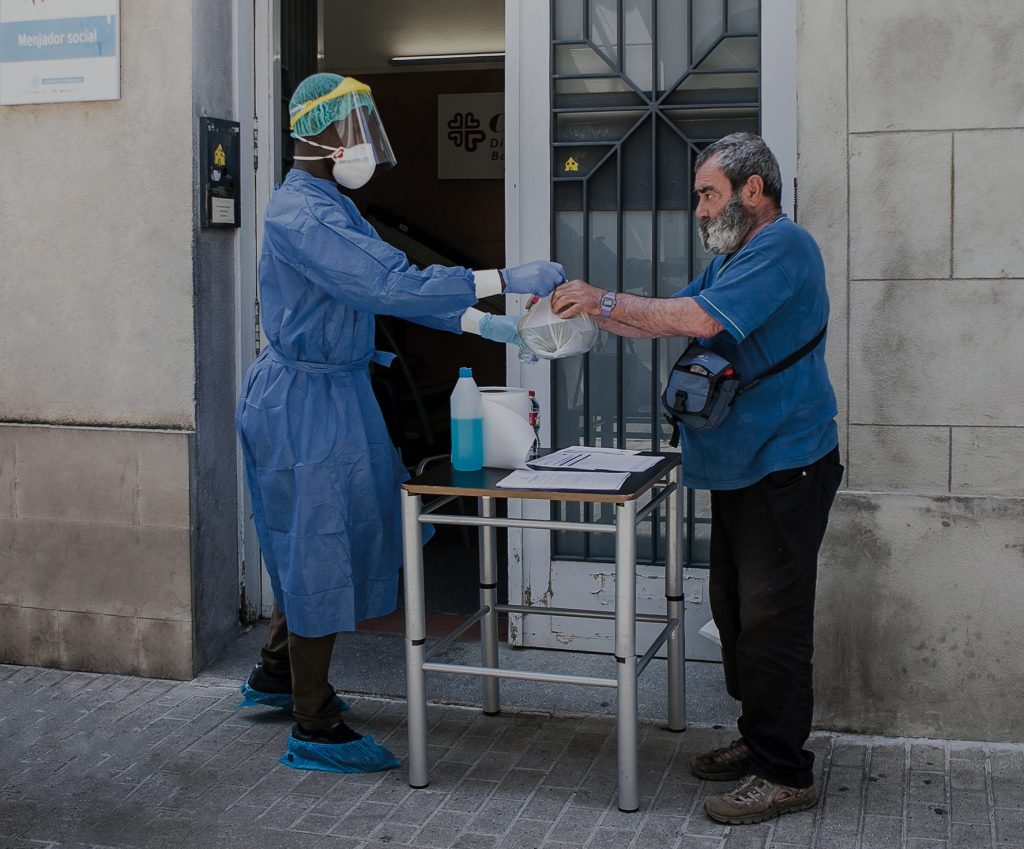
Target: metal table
[(445, 483)]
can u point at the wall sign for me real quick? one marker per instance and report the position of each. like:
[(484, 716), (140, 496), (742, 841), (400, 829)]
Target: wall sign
[(471, 136), (57, 51)]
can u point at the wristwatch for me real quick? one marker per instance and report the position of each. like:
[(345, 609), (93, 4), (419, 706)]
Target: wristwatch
[(608, 303)]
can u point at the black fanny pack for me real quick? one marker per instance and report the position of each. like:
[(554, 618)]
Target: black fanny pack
[(702, 386)]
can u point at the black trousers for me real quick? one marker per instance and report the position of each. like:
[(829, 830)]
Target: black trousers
[(764, 567), (308, 661)]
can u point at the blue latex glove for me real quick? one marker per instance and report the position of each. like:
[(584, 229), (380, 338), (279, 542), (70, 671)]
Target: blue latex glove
[(533, 278), (501, 328)]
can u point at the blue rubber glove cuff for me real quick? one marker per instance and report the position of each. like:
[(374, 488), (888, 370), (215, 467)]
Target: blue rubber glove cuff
[(533, 278), (501, 328)]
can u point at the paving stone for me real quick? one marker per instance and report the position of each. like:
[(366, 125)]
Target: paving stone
[(830, 840), (881, 832), (929, 787), (690, 841), (610, 838), (525, 834), (795, 829), (107, 760), (969, 806), (841, 807), (1009, 825), (417, 806), (574, 825), (1008, 791), (469, 840), (442, 829), (925, 756), (970, 836), (748, 836), (363, 820), (931, 821), (496, 815), (966, 774)]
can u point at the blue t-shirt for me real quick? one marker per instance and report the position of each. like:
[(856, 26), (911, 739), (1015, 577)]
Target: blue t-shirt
[(770, 297)]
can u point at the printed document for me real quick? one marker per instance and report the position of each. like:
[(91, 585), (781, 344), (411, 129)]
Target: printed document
[(555, 480), (585, 459)]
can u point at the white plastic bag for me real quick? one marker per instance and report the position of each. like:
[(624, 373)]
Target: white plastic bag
[(551, 337)]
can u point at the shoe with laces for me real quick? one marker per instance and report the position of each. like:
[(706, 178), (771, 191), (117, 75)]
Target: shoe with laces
[(756, 799), (725, 764)]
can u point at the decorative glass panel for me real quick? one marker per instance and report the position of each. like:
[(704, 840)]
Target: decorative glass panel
[(643, 87), (604, 28), (569, 20)]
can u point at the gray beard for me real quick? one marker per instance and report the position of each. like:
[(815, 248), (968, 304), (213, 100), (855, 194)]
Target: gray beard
[(724, 233)]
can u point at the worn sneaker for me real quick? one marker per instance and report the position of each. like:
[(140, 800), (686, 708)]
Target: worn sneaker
[(725, 764), (756, 799)]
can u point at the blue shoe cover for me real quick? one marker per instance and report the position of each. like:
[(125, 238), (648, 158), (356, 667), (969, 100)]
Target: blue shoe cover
[(254, 698), (362, 755)]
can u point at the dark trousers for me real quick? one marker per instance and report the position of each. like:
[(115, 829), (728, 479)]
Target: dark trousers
[(764, 566), (308, 661)]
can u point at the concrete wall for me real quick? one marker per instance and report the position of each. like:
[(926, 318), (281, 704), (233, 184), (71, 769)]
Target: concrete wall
[(213, 482), (909, 130), (116, 357)]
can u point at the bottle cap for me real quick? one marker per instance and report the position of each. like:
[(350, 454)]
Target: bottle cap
[(531, 393), (465, 371)]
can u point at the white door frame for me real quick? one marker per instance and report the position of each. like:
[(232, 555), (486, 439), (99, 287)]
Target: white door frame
[(778, 90), (249, 567), (257, 87), (527, 237)]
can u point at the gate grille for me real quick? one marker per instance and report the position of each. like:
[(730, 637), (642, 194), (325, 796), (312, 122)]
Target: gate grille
[(638, 88)]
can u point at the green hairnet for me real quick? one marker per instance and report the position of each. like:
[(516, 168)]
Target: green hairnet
[(321, 116)]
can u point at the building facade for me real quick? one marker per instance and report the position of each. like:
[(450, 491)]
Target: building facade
[(126, 324)]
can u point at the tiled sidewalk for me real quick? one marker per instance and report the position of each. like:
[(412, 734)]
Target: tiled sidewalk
[(111, 761)]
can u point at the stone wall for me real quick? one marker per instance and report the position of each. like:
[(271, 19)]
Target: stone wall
[(909, 131), (118, 519)]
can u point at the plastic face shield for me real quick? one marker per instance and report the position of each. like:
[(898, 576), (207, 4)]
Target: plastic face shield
[(363, 127), (357, 123)]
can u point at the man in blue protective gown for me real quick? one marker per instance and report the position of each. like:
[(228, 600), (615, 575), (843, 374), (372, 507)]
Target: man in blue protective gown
[(323, 474), (772, 466)]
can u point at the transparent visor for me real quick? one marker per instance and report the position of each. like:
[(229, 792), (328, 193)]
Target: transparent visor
[(363, 126)]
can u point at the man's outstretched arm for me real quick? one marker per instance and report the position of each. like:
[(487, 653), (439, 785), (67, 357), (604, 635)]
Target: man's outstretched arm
[(634, 316)]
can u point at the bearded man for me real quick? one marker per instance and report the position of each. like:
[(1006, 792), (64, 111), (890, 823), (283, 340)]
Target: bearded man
[(772, 466)]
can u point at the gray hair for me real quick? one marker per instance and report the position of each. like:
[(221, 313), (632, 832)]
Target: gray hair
[(741, 156)]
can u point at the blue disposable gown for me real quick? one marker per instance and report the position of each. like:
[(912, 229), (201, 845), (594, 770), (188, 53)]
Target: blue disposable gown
[(323, 474)]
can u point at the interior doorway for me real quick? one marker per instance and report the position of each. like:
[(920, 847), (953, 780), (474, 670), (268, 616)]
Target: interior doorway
[(434, 214)]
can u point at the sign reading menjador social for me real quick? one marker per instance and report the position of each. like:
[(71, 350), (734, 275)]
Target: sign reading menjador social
[(471, 136), (53, 51)]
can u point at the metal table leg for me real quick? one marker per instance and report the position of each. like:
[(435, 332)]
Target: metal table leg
[(625, 655), (675, 607), (488, 599), (415, 637)]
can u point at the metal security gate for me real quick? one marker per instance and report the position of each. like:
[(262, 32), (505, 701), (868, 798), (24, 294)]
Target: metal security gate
[(638, 88)]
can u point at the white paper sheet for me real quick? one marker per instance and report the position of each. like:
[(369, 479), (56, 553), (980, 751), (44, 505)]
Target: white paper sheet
[(586, 459), (592, 481)]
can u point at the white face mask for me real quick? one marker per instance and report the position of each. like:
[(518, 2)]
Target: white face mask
[(356, 166), (353, 166)]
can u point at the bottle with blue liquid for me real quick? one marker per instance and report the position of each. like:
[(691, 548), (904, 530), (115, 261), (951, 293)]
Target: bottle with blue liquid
[(467, 423)]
